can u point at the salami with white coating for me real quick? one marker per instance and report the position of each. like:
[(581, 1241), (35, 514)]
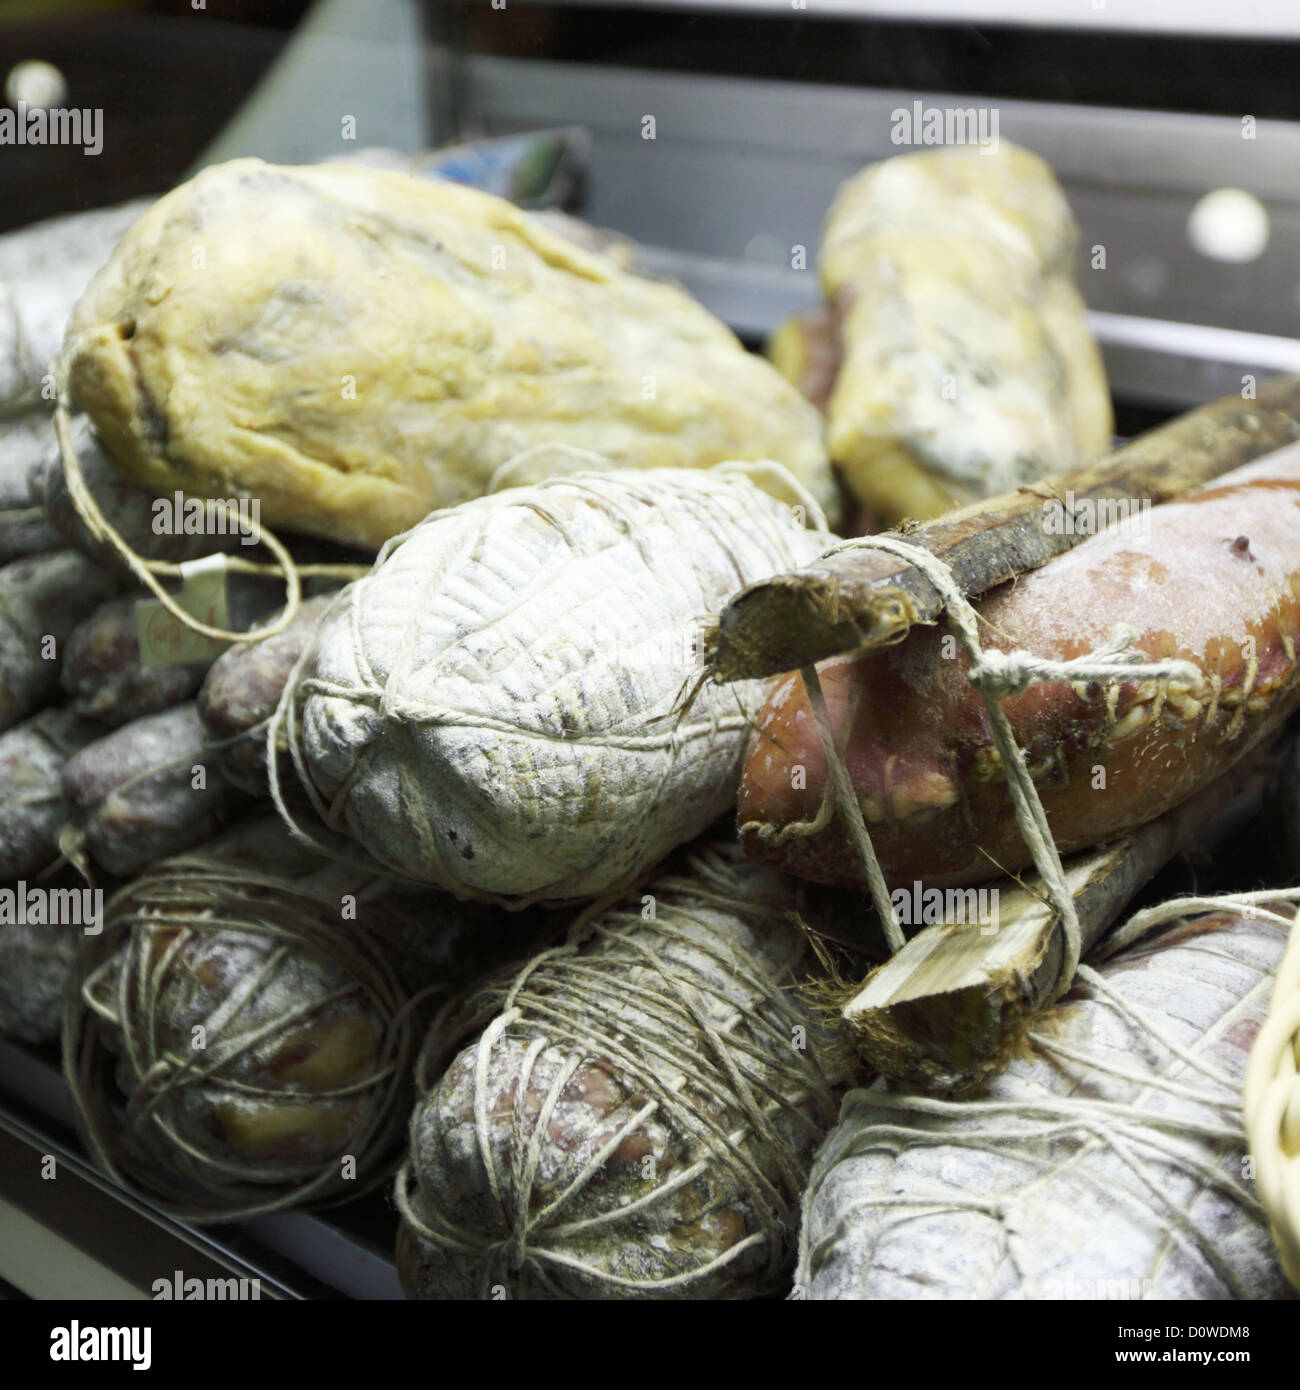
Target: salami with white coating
[(33, 807), (42, 598), (146, 791)]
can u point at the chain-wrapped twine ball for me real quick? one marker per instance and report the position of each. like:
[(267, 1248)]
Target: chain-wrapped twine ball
[(638, 1113), (234, 1045)]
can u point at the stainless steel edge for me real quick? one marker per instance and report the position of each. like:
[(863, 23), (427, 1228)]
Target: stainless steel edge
[(1248, 19)]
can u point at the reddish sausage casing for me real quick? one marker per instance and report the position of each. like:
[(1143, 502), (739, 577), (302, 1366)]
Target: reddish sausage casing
[(1215, 581)]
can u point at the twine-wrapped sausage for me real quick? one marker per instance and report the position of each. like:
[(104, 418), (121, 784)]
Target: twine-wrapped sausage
[(244, 1004), (1273, 1109), (1108, 1161), (509, 705), (638, 1111)]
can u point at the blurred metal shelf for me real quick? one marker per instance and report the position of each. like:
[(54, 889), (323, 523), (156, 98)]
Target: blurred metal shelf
[(741, 172), (87, 1238), (1249, 18)]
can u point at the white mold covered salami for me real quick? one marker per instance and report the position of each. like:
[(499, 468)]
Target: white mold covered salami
[(33, 807), (42, 598), (636, 1116), (103, 674), (37, 951), (498, 708), (146, 791), (1108, 1161), (25, 529), (43, 271)]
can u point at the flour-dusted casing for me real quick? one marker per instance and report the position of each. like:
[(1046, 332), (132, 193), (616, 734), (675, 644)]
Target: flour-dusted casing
[(25, 440), (33, 807), (358, 347), (42, 598), (37, 954), (103, 674), (493, 709), (80, 241), (43, 271), (243, 688), (637, 1113), (145, 791), (1099, 1165), (25, 529)]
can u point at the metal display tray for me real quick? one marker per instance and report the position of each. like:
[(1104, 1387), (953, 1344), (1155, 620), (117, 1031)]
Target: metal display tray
[(344, 1252)]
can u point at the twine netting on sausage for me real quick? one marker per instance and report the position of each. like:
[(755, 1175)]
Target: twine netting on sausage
[(256, 962), (1119, 1117), (701, 1037), (996, 675), (147, 571), (582, 709), (1273, 1109)]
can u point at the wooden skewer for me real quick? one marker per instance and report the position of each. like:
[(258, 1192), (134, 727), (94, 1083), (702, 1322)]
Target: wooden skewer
[(951, 1006), (856, 600)]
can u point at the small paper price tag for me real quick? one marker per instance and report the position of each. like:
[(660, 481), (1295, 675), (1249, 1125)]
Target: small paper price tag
[(164, 639)]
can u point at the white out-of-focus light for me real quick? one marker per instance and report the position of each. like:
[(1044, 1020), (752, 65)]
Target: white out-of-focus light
[(35, 83), (1229, 225)]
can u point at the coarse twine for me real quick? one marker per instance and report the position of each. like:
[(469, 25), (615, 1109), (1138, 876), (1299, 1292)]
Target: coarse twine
[(255, 959), (1107, 1161), (354, 348), (1273, 1109), (635, 1111), (512, 704)]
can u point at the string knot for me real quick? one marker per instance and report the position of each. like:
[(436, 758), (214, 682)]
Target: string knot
[(1003, 674), (513, 1249)]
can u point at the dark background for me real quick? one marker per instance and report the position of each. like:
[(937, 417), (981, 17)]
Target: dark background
[(168, 77)]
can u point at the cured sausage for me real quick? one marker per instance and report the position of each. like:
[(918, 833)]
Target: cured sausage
[(1215, 582)]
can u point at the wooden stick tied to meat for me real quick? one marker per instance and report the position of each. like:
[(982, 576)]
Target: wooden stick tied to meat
[(950, 1008), (846, 602), (996, 675), (146, 570), (1125, 1129)]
